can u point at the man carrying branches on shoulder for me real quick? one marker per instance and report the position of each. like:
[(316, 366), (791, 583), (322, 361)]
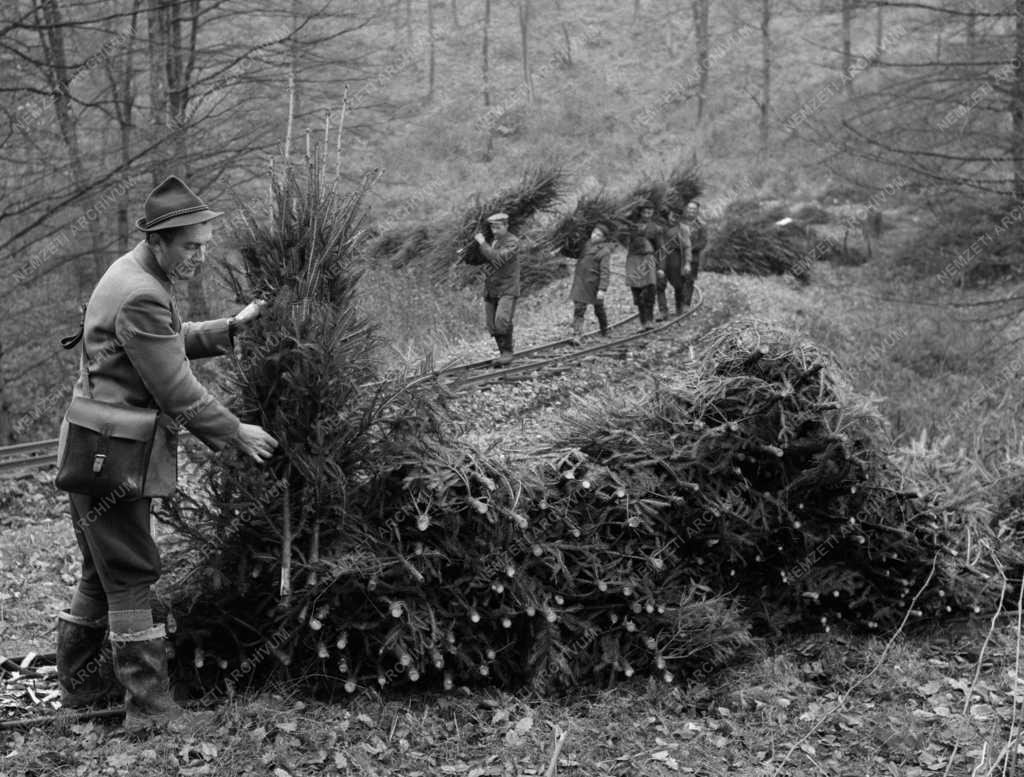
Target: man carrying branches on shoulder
[(501, 286)]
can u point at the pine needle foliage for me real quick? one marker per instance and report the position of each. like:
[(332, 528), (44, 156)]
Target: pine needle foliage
[(539, 190), (775, 484), (569, 234), (757, 248), (572, 231)]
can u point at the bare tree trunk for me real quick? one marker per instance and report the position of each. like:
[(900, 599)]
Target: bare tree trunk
[(879, 30), (157, 26), (6, 427), (408, 22), (294, 58), (524, 39), (766, 70), (971, 32), (455, 14), (1017, 109), (122, 87), (181, 55), (701, 12), (487, 76), (847, 21), (486, 54), (636, 10), (430, 34), (51, 36)]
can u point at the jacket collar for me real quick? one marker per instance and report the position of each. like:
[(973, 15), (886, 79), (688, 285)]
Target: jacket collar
[(147, 260)]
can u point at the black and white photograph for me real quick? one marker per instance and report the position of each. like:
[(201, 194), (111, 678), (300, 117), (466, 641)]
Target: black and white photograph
[(511, 388)]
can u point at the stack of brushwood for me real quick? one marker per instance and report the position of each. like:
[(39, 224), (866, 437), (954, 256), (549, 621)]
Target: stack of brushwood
[(753, 242), (570, 233), (650, 536), (758, 240), (772, 481)]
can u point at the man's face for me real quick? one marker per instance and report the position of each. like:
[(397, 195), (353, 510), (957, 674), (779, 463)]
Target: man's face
[(690, 211), (647, 213), (597, 234), (182, 255), (499, 227)]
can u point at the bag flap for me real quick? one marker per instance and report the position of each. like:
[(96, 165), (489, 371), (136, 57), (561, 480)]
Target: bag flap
[(125, 421)]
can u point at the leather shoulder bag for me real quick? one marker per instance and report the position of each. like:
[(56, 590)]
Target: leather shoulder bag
[(107, 450)]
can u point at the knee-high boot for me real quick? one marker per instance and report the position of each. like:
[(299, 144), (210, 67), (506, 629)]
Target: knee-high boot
[(140, 663), (85, 669)]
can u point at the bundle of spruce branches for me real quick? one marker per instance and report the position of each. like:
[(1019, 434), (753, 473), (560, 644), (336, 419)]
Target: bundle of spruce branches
[(538, 190), (775, 482), (570, 233), (757, 248)]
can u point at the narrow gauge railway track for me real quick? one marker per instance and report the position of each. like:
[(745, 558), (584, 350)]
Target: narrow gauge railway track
[(15, 458), (557, 356)]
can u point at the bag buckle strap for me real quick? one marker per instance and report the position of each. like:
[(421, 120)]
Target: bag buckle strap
[(97, 462), (70, 341)]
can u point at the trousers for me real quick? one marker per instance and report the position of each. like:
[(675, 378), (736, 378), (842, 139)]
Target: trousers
[(499, 312), (120, 560)]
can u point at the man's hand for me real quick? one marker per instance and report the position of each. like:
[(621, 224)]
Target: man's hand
[(600, 295), (256, 442), (686, 269), (479, 238), (661, 274), (248, 314)]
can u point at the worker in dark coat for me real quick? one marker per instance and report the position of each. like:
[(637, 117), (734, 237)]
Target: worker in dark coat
[(678, 259), (643, 252), (590, 281), (501, 285), (698, 241), (136, 352)]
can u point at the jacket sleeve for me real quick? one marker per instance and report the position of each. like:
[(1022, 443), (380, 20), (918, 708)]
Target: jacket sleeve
[(206, 338), (657, 238), (498, 257), (157, 354), (685, 245), (605, 268)]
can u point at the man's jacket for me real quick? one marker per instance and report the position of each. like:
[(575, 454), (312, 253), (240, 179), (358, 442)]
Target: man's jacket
[(592, 273), (644, 255), (698, 236), (503, 266), (678, 251), (137, 351)]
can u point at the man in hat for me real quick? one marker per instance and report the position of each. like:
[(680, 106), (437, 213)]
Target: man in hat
[(501, 285), (677, 261), (642, 259), (590, 281), (698, 241), (135, 352)]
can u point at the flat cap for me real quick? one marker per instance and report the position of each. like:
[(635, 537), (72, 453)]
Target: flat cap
[(497, 217)]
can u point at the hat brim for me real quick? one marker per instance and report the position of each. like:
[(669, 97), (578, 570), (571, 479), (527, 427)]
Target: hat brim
[(185, 220)]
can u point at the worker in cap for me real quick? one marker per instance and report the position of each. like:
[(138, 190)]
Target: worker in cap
[(643, 259), (501, 285), (136, 352)]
